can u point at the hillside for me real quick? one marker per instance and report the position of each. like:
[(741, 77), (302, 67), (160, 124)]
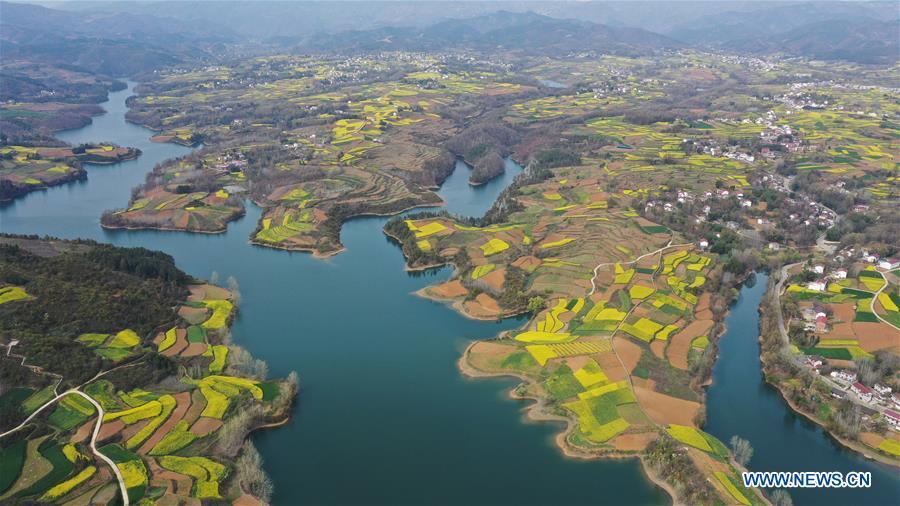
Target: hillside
[(527, 33), (864, 32), (113, 44)]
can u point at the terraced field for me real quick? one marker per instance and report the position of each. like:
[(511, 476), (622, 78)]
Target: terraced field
[(623, 324), (371, 148), (619, 287), (28, 168), (167, 441)]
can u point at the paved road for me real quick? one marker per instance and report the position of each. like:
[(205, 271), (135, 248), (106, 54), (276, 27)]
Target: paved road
[(875, 298), (782, 330), (93, 444)]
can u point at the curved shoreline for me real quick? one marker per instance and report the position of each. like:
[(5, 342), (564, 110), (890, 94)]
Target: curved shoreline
[(459, 305), (134, 154), (25, 189), (853, 446), (316, 253), (858, 448), (536, 412), (160, 228)]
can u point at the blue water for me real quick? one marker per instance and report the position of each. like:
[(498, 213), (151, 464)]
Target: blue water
[(383, 416), (741, 403)]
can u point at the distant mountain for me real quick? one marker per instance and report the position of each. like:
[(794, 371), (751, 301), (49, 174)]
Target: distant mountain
[(114, 44), (528, 33), (863, 41), (288, 19), (126, 38), (866, 32), (109, 25)]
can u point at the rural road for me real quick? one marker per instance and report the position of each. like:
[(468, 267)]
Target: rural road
[(93, 445), (875, 298), (779, 287), (636, 260)]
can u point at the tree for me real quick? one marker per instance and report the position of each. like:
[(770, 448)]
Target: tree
[(780, 497), (251, 475), (235, 289), (868, 371), (536, 304), (742, 450)]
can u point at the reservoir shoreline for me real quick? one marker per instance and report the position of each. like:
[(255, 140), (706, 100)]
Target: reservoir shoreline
[(377, 363)]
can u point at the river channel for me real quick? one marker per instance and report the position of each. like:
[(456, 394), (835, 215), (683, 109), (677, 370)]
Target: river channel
[(741, 403), (383, 416)]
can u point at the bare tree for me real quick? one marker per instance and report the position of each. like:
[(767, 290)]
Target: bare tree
[(868, 370), (742, 449), (234, 432), (848, 419), (235, 289), (293, 385), (242, 363), (780, 497), (251, 475)]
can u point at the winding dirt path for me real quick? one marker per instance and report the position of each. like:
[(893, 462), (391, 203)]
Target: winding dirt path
[(636, 260)]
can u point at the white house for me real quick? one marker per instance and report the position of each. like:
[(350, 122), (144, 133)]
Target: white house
[(819, 285), (844, 375), (892, 418), (882, 390), (840, 274), (862, 391), (889, 263), (814, 361), (819, 269)]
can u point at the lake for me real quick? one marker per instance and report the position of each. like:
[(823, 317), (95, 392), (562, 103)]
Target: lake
[(383, 416)]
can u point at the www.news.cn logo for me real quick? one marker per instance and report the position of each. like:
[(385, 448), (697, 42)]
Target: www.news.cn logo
[(833, 479)]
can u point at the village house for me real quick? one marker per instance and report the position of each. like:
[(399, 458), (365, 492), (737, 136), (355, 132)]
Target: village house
[(815, 362), (863, 392), (882, 391), (889, 263), (819, 269), (844, 375), (821, 322), (892, 418), (840, 274), (895, 400), (838, 394), (808, 314), (818, 285)]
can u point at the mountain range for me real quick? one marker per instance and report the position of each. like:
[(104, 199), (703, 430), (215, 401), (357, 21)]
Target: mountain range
[(127, 38)]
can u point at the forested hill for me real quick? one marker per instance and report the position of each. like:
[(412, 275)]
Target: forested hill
[(77, 288), (528, 33), (112, 356), (107, 43)]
